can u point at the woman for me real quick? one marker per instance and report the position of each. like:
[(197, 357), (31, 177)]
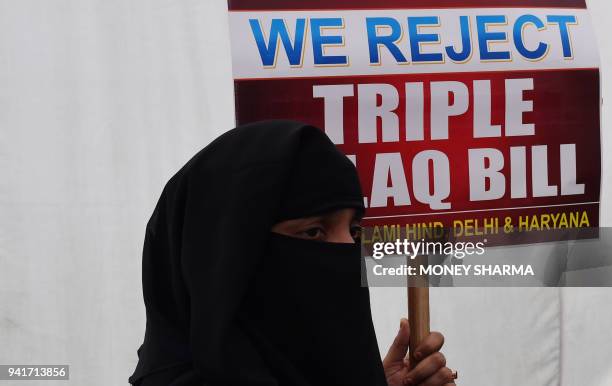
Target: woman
[(251, 272)]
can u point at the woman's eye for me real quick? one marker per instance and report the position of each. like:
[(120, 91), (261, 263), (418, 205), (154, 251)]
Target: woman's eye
[(313, 233), (356, 232)]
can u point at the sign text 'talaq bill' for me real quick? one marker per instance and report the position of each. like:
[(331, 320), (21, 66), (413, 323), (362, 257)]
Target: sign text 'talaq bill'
[(483, 116)]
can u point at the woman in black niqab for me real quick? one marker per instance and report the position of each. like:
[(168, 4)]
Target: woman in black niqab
[(228, 302)]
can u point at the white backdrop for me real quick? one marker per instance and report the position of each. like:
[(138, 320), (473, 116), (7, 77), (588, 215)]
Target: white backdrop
[(101, 101)]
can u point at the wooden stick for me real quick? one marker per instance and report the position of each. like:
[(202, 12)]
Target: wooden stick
[(418, 307), (418, 312)]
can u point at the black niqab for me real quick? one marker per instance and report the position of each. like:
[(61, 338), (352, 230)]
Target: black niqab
[(230, 303)]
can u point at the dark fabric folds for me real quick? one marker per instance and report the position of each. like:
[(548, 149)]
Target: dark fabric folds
[(205, 246)]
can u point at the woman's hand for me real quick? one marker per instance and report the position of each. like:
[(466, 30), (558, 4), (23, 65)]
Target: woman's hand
[(430, 369)]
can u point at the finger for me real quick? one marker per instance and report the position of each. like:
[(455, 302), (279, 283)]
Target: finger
[(441, 377), (425, 369), (432, 343), (399, 347)]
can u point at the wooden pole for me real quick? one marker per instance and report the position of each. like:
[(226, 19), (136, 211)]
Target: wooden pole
[(418, 306)]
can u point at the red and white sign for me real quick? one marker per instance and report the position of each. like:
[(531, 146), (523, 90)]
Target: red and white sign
[(473, 114)]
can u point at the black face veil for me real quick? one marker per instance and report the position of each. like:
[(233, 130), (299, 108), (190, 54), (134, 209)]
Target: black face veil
[(230, 303)]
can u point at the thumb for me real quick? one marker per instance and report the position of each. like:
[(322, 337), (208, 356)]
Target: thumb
[(399, 347)]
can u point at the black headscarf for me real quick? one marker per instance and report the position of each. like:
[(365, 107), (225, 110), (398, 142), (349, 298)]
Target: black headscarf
[(230, 303)]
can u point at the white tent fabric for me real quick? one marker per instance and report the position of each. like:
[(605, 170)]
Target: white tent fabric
[(100, 102)]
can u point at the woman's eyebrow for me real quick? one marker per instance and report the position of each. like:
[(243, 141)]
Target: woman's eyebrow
[(311, 219)]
